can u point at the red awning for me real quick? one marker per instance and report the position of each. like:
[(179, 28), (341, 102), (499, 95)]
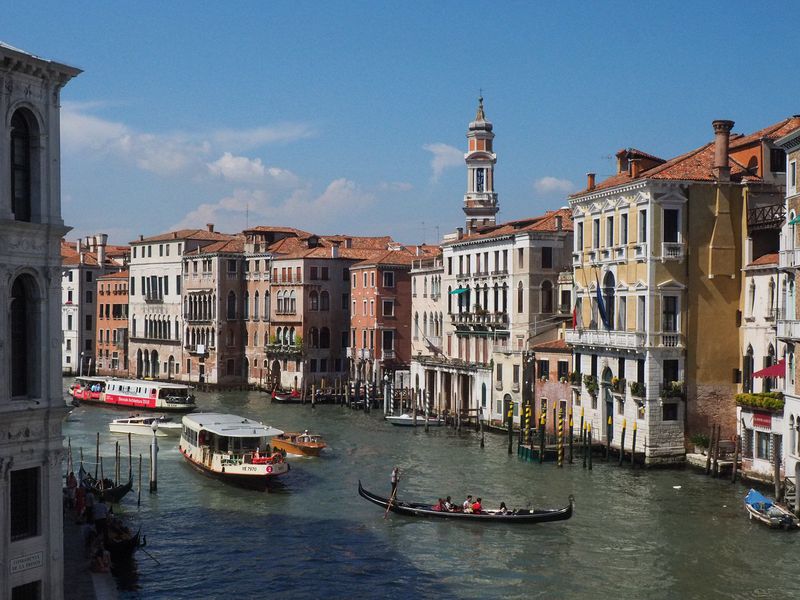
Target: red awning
[(776, 370)]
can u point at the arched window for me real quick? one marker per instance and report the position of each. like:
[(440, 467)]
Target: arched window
[(769, 382), (520, 298), (280, 303), (279, 335), (416, 326), (425, 324), (25, 331), (771, 306), (292, 338), (324, 301), (547, 297), (449, 300), (247, 305), (424, 287), (21, 171), (255, 308), (313, 335), (267, 307), (292, 302), (751, 299), (313, 299), (747, 370), (505, 298), (325, 338), (231, 306)]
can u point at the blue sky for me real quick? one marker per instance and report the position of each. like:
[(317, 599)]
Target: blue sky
[(350, 117)]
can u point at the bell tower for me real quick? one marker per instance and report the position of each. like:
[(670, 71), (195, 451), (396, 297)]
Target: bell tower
[(480, 201)]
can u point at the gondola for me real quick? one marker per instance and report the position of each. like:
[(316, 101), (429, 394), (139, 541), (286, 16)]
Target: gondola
[(122, 549), (109, 493), (414, 509)]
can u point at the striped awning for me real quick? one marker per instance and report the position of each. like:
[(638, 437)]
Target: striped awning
[(776, 370), (460, 290)]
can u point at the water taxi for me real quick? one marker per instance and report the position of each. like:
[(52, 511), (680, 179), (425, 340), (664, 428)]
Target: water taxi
[(299, 444), (406, 420), (139, 425), (138, 393), (231, 448)]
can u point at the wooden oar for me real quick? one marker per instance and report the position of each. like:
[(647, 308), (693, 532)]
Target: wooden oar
[(391, 499)]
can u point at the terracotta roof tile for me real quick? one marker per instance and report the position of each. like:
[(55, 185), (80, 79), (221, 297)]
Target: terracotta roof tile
[(546, 222), (559, 345), (764, 260), (186, 234), (233, 245), (772, 132), (118, 275)]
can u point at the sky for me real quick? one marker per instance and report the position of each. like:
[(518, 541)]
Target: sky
[(351, 117)]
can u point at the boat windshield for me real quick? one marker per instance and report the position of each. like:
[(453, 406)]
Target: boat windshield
[(181, 392)]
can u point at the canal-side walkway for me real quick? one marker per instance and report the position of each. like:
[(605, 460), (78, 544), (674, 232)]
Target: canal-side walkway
[(79, 582)]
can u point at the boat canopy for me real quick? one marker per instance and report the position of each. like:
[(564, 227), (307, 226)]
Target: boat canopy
[(758, 500), (229, 425)]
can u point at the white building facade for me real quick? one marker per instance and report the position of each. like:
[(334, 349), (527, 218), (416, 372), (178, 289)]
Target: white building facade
[(31, 402)]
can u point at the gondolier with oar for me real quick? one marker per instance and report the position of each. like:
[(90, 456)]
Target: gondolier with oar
[(395, 480)]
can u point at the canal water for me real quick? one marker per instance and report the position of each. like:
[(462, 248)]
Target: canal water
[(634, 534)]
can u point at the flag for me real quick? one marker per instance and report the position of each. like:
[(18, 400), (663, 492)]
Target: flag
[(601, 305)]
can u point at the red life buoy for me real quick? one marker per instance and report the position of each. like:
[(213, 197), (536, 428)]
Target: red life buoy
[(269, 469)]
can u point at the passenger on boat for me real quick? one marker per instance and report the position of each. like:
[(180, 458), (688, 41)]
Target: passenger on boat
[(476, 507), (502, 510), (467, 506), (439, 506), (448, 505), (277, 456)]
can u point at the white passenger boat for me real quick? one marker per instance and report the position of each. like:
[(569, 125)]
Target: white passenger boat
[(136, 393), (139, 425), (406, 420), (231, 448)]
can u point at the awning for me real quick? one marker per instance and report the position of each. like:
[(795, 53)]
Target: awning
[(776, 370), (459, 290), (795, 221)]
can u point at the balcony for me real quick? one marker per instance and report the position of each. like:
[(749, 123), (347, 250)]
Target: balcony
[(515, 386), (768, 216), (387, 354), (499, 272), (789, 259), (673, 251), (670, 339), (640, 251), (619, 254), (576, 259), (480, 320), (789, 329), (198, 349), (152, 298), (284, 350), (599, 337)]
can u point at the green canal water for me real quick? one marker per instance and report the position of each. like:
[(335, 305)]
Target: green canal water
[(635, 534)]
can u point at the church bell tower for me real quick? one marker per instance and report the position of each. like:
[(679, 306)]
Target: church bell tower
[(480, 201)]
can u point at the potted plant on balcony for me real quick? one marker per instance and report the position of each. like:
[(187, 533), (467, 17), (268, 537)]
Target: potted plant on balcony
[(574, 378), (672, 389), (590, 381), (638, 389), (701, 442), (618, 385)]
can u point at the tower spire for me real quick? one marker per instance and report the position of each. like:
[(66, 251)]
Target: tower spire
[(480, 201)]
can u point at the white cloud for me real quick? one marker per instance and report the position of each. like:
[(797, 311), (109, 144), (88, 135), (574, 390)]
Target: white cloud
[(553, 185), (395, 186), (300, 207), (444, 157), (174, 152)]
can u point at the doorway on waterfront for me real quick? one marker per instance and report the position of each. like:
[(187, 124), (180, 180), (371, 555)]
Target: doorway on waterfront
[(609, 404), (275, 374), (139, 364)]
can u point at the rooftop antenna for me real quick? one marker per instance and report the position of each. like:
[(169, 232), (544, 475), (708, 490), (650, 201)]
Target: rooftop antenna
[(247, 215), (422, 223)]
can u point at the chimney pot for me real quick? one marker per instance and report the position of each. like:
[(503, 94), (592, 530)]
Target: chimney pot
[(590, 181), (558, 222), (141, 237), (210, 227), (460, 232), (722, 136), (635, 168)]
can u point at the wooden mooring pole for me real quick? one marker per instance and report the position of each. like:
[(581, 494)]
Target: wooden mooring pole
[(710, 449), (736, 449), (622, 442), (542, 423), (571, 435), (583, 443), (633, 446), (589, 443), (715, 466)]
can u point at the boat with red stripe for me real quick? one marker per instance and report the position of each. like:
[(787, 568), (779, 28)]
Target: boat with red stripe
[(134, 393)]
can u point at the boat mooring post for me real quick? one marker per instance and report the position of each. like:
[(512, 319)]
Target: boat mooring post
[(736, 449), (776, 474), (480, 424), (414, 408), (510, 417), (571, 434), (542, 422), (426, 395), (609, 431), (589, 442), (139, 499), (97, 456), (154, 459), (622, 442), (583, 443), (710, 449), (633, 446), (797, 487), (715, 466), (313, 395), (560, 439)]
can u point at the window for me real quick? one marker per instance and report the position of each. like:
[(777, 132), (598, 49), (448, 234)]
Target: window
[(372, 279), (27, 591), (231, 306), (671, 225), (640, 313), (792, 177), (346, 301), (479, 180), (161, 249), (24, 503), (364, 309), (670, 317), (355, 281), (547, 257), (372, 308), (623, 229), (324, 301), (563, 369), (388, 279), (88, 323), (515, 374), (388, 308), (520, 257), (596, 233), (543, 369), (365, 279), (314, 275), (499, 372), (324, 273), (133, 286), (642, 226), (388, 339), (177, 284), (21, 170), (579, 238), (231, 265), (777, 160), (520, 298), (609, 231), (762, 445), (69, 296)]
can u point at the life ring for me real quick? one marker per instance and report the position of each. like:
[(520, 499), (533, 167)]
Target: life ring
[(269, 469)]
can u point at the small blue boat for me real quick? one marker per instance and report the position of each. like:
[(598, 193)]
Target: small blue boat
[(765, 510)]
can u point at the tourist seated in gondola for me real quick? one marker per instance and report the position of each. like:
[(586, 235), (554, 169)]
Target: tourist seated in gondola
[(476, 506), (448, 505), (467, 506), (439, 506), (502, 510), (101, 561)]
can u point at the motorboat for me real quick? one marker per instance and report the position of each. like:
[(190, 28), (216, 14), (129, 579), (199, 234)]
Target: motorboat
[(300, 444), (229, 447), (286, 397), (406, 420), (136, 393), (766, 511), (417, 509), (143, 425)]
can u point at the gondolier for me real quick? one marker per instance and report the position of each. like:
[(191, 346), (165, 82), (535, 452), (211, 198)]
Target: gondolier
[(395, 479)]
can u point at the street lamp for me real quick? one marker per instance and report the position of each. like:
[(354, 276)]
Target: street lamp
[(386, 394), (154, 457), (80, 366)]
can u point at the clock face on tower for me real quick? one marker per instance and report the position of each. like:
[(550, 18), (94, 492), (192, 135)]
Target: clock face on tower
[(479, 180)]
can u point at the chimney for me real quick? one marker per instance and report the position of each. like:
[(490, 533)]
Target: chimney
[(87, 243), (722, 136), (558, 222), (334, 249), (348, 242), (102, 240), (141, 237), (174, 235), (748, 251), (459, 233), (210, 227), (635, 168), (94, 243), (590, 181)]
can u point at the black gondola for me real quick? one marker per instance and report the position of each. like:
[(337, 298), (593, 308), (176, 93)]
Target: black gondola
[(414, 509), (106, 490), (122, 549)]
